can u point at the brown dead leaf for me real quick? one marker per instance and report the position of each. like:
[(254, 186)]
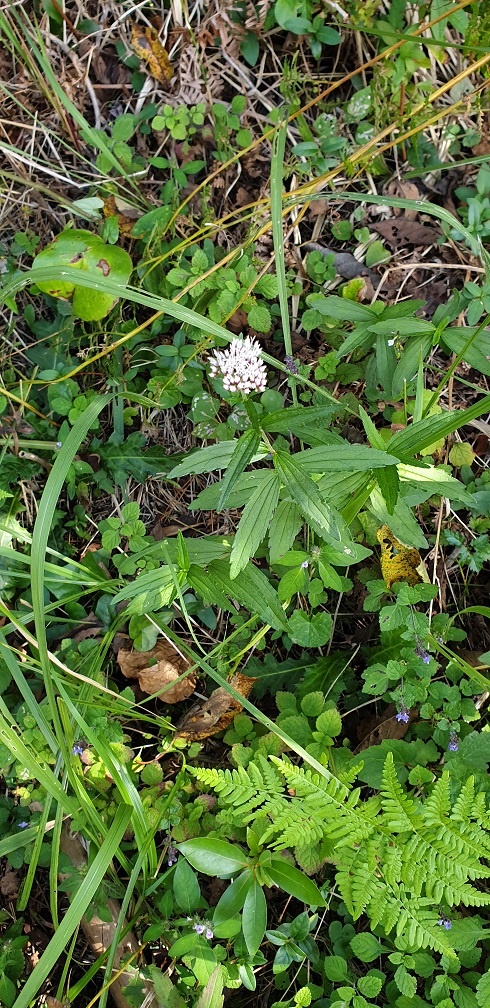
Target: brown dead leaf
[(214, 714), (378, 729), (401, 231), (157, 670), (126, 214), (403, 190), (148, 47), (9, 884)]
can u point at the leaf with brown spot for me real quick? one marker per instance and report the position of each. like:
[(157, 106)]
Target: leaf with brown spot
[(400, 231), (214, 714), (159, 671), (148, 47)]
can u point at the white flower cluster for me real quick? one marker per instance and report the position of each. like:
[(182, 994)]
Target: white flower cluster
[(240, 366)]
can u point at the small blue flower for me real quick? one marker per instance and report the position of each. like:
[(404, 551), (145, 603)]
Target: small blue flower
[(77, 748), (23, 825), (403, 714), (453, 742), (171, 855), (445, 923), (209, 934), (423, 654), (199, 928)]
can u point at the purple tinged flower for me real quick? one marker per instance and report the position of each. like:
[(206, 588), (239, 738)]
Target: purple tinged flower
[(445, 923), (423, 654), (291, 364), (171, 855), (77, 748), (23, 825), (403, 714), (453, 742), (240, 366), (304, 565), (209, 934), (199, 928)]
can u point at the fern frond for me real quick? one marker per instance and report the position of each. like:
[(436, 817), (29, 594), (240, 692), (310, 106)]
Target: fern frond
[(400, 812)]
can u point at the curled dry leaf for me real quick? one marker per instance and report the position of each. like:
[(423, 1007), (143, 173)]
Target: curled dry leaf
[(147, 45), (375, 730), (403, 189), (9, 885), (216, 713), (399, 562), (158, 671)]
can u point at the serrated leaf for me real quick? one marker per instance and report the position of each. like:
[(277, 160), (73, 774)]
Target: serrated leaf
[(343, 458), (389, 486), (254, 523), (259, 318), (483, 990), (329, 723), (205, 585), (406, 983), (401, 522), (367, 947), (433, 480), (245, 449), (461, 454), (336, 969), (424, 433), (314, 632), (217, 456), (370, 985), (327, 522), (285, 525), (243, 490), (250, 588)]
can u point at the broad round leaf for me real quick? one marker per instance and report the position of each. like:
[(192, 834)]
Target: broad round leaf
[(213, 857)]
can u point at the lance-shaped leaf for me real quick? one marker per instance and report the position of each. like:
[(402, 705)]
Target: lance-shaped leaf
[(254, 523), (343, 458), (250, 588), (420, 435), (245, 449), (285, 526), (327, 522)]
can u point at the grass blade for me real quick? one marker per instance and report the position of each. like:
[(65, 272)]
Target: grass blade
[(77, 908)]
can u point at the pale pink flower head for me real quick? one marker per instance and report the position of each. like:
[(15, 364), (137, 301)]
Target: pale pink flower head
[(240, 366)]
